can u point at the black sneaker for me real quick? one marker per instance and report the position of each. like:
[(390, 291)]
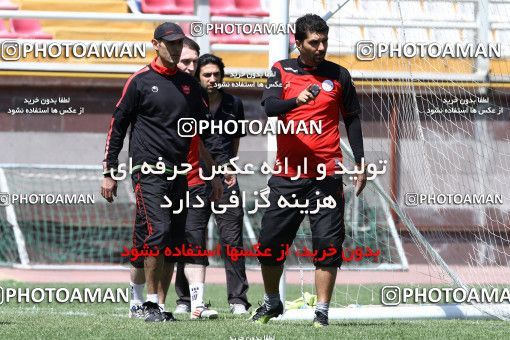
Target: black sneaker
[(320, 320), (263, 314), (152, 312), (168, 317)]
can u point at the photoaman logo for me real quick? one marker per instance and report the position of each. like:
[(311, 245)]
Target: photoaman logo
[(63, 295)]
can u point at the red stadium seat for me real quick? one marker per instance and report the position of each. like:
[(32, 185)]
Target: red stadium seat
[(258, 39), (160, 7), (228, 39), (186, 6), (29, 29), (225, 7), (4, 31), (251, 8), (185, 28), (7, 5), (292, 38)]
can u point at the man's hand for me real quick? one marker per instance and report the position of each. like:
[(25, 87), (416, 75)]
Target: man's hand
[(217, 189), (109, 188), (231, 180), (305, 96), (361, 181)]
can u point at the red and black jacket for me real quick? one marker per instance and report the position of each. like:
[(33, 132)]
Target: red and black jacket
[(152, 102), (336, 98)]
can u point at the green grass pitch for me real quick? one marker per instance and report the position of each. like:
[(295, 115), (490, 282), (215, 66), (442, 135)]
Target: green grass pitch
[(110, 321)]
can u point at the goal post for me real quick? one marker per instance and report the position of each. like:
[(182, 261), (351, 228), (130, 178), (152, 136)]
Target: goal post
[(60, 221)]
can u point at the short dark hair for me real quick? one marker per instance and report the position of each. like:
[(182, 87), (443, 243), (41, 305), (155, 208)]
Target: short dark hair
[(310, 23), (210, 59), (191, 44)]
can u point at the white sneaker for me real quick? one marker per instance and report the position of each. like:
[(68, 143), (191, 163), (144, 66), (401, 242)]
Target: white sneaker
[(136, 312), (202, 312), (237, 308), (182, 309)]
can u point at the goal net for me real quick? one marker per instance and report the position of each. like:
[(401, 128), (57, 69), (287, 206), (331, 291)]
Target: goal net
[(72, 226), (442, 124)]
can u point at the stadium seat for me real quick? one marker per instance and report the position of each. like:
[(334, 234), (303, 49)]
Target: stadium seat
[(379, 10), (381, 34), (29, 29), (501, 37), (414, 10), (292, 39), (498, 12), (4, 32), (186, 6), (99, 6), (351, 10), (228, 39), (185, 28), (466, 11), (224, 7), (345, 36), (468, 36), (441, 11), (7, 5), (161, 7), (251, 8), (417, 35), (258, 39), (444, 36)]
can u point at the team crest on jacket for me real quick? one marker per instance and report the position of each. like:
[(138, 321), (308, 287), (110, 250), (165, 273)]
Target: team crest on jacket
[(186, 89), (327, 85)]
